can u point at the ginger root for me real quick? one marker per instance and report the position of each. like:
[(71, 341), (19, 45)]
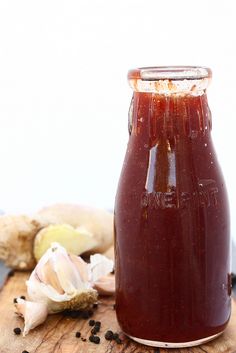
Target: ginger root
[(98, 222), (17, 233), (75, 241)]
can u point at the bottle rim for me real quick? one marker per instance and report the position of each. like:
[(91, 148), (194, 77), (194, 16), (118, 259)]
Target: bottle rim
[(155, 73), (170, 79)]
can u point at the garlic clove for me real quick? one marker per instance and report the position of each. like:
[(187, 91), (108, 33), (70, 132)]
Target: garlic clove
[(67, 272), (33, 313), (81, 266), (105, 285), (48, 276), (99, 266), (58, 270), (41, 292)]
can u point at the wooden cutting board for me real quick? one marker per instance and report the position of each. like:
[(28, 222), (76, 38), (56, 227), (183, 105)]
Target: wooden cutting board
[(57, 334)]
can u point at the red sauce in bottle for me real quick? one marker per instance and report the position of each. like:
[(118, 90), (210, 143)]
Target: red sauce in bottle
[(172, 238)]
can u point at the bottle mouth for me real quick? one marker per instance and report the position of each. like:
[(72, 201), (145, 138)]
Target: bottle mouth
[(170, 79)]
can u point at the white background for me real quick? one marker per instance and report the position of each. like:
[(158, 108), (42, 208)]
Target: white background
[(64, 96)]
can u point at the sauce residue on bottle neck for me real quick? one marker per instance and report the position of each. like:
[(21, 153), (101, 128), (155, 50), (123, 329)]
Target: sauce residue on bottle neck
[(155, 116)]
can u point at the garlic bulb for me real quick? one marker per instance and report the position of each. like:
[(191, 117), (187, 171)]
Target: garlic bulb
[(63, 281), (60, 282)]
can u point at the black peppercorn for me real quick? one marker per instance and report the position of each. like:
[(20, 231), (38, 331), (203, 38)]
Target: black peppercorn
[(109, 335), (98, 324), (94, 339), (78, 334), (17, 331), (91, 322), (22, 297), (15, 300), (25, 352)]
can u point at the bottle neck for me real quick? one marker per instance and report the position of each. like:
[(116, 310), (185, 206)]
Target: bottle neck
[(167, 116)]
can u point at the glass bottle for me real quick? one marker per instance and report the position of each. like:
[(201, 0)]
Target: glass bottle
[(172, 236)]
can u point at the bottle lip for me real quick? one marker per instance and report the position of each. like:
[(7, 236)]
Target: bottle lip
[(170, 79), (156, 73)]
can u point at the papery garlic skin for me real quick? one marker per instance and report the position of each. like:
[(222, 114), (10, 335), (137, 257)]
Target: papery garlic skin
[(59, 281), (99, 266), (99, 269), (33, 313)]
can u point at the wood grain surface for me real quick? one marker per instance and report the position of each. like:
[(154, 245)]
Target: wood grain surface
[(57, 334)]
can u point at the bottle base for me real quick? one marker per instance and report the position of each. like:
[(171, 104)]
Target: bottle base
[(174, 345)]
